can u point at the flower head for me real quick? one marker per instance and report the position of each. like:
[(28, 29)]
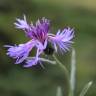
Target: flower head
[(41, 39)]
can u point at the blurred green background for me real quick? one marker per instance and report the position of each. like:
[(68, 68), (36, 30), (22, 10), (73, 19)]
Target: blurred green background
[(78, 14)]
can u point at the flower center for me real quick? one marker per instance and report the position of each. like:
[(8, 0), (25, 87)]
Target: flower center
[(49, 49)]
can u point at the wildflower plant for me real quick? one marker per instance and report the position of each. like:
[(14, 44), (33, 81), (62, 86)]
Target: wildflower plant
[(46, 43), (41, 39)]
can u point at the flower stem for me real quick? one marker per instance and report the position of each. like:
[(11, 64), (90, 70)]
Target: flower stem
[(65, 72), (73, 72)]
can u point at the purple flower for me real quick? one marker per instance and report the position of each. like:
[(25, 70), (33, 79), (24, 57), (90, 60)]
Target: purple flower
[(40, 39)]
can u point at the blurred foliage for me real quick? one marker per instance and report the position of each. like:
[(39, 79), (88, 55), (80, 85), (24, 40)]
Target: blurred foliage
[(18, 81)]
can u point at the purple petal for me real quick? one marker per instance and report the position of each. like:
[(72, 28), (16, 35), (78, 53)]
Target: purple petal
[(40, 29), (22, 23), (39, 44), (63, 39), (31, 62), (20, 52)]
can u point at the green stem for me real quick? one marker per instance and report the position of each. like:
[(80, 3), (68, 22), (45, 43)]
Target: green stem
[(65, 72)]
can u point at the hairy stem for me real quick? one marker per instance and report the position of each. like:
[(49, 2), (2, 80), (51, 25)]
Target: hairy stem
[(65, 72)]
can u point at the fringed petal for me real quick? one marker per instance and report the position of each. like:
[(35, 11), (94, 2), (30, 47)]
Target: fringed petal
[(62, 39)]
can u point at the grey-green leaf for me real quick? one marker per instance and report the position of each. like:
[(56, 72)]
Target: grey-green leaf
[(85, 89), (59, 91)]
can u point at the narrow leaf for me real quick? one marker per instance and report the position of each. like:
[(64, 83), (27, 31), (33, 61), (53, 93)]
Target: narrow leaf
[(59, 91), (85, 89)]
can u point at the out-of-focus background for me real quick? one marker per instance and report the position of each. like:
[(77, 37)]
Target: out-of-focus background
[(36, 81)]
